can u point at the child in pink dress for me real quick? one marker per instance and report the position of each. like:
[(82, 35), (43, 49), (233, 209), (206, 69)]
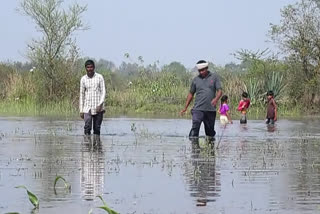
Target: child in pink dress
[(224, 111)]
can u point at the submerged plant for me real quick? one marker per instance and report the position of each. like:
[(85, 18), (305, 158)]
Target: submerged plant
[(66, 184), (32, 197), (104, 207), (134, 130)]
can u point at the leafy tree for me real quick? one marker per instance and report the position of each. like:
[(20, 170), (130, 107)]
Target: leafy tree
[(178, 70), (55, 53), (103, 64), (175, 67), (130, 69), (298, 36), (264, 72)]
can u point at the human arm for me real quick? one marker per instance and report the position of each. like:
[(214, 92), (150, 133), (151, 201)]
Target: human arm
[(229, 117), (275, 109), (188, 101), (241, 106), (81, 99), (103, 94), (227, 110), (192, 90), (218, 88), (216, 99)]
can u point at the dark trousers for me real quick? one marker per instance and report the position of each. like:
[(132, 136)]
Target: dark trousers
[(270, 121), (243, 119), (96, 120), (208, 118)]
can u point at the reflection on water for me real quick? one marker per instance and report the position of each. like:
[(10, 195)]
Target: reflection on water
[(257, 168), (92, 169), (271, 127), (203, 179), (244, 127)]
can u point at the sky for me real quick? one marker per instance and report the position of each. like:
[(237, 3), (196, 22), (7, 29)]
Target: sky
[(165, 31)]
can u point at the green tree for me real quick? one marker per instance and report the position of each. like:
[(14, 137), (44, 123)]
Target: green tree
[(298, 36), (55, 54), (175, 67), (263, 72), (178, 70)]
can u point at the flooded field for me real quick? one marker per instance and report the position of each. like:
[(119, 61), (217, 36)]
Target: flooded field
[(148, 166)]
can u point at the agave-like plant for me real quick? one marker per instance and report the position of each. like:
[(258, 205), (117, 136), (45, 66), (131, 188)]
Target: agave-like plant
[(254, 90), (32, 197), (275, 82)]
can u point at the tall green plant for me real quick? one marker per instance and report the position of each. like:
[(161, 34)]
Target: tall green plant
[(253, 87), (275, 82)]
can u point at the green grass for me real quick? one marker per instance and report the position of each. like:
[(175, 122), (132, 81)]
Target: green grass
[(138, 107), (29, 107)]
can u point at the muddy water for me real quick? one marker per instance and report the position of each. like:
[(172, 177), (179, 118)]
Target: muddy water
[(154, 169)]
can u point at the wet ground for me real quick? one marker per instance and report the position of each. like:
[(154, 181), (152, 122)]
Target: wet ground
[(149, 166)]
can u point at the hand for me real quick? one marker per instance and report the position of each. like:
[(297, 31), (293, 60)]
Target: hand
[(82, 115), (99, 108), (214, 102), (183, 111), (275, 119), (231, 122)]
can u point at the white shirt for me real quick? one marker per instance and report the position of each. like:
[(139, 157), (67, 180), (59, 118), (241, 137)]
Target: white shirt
[(92, 93)]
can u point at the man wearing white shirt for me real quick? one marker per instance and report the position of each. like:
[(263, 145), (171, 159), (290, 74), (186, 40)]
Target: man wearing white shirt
[(92, 96)]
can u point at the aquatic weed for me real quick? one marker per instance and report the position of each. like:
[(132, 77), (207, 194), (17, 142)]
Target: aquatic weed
[(66, 184), (104, 207), (32, 197)]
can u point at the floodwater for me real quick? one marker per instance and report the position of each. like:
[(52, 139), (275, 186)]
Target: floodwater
[(149, 166)]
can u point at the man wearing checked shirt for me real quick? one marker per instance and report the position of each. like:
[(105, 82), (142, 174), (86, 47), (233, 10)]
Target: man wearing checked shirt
[(92, 95)]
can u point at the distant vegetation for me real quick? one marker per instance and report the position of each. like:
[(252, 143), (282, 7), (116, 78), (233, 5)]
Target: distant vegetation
[(49, 82)]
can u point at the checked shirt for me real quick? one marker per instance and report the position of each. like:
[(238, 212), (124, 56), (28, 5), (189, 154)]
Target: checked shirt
[(92, 93)]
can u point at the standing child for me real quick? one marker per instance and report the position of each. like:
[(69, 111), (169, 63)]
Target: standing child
[(224, 111), (271, 109), (243, 106)]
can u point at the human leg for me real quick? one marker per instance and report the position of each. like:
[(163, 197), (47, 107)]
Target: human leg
[(209, 122), (267, 120), (243, 119), (97, 121), (197, 118), (224, 120), (87, 123), (272, 121)]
